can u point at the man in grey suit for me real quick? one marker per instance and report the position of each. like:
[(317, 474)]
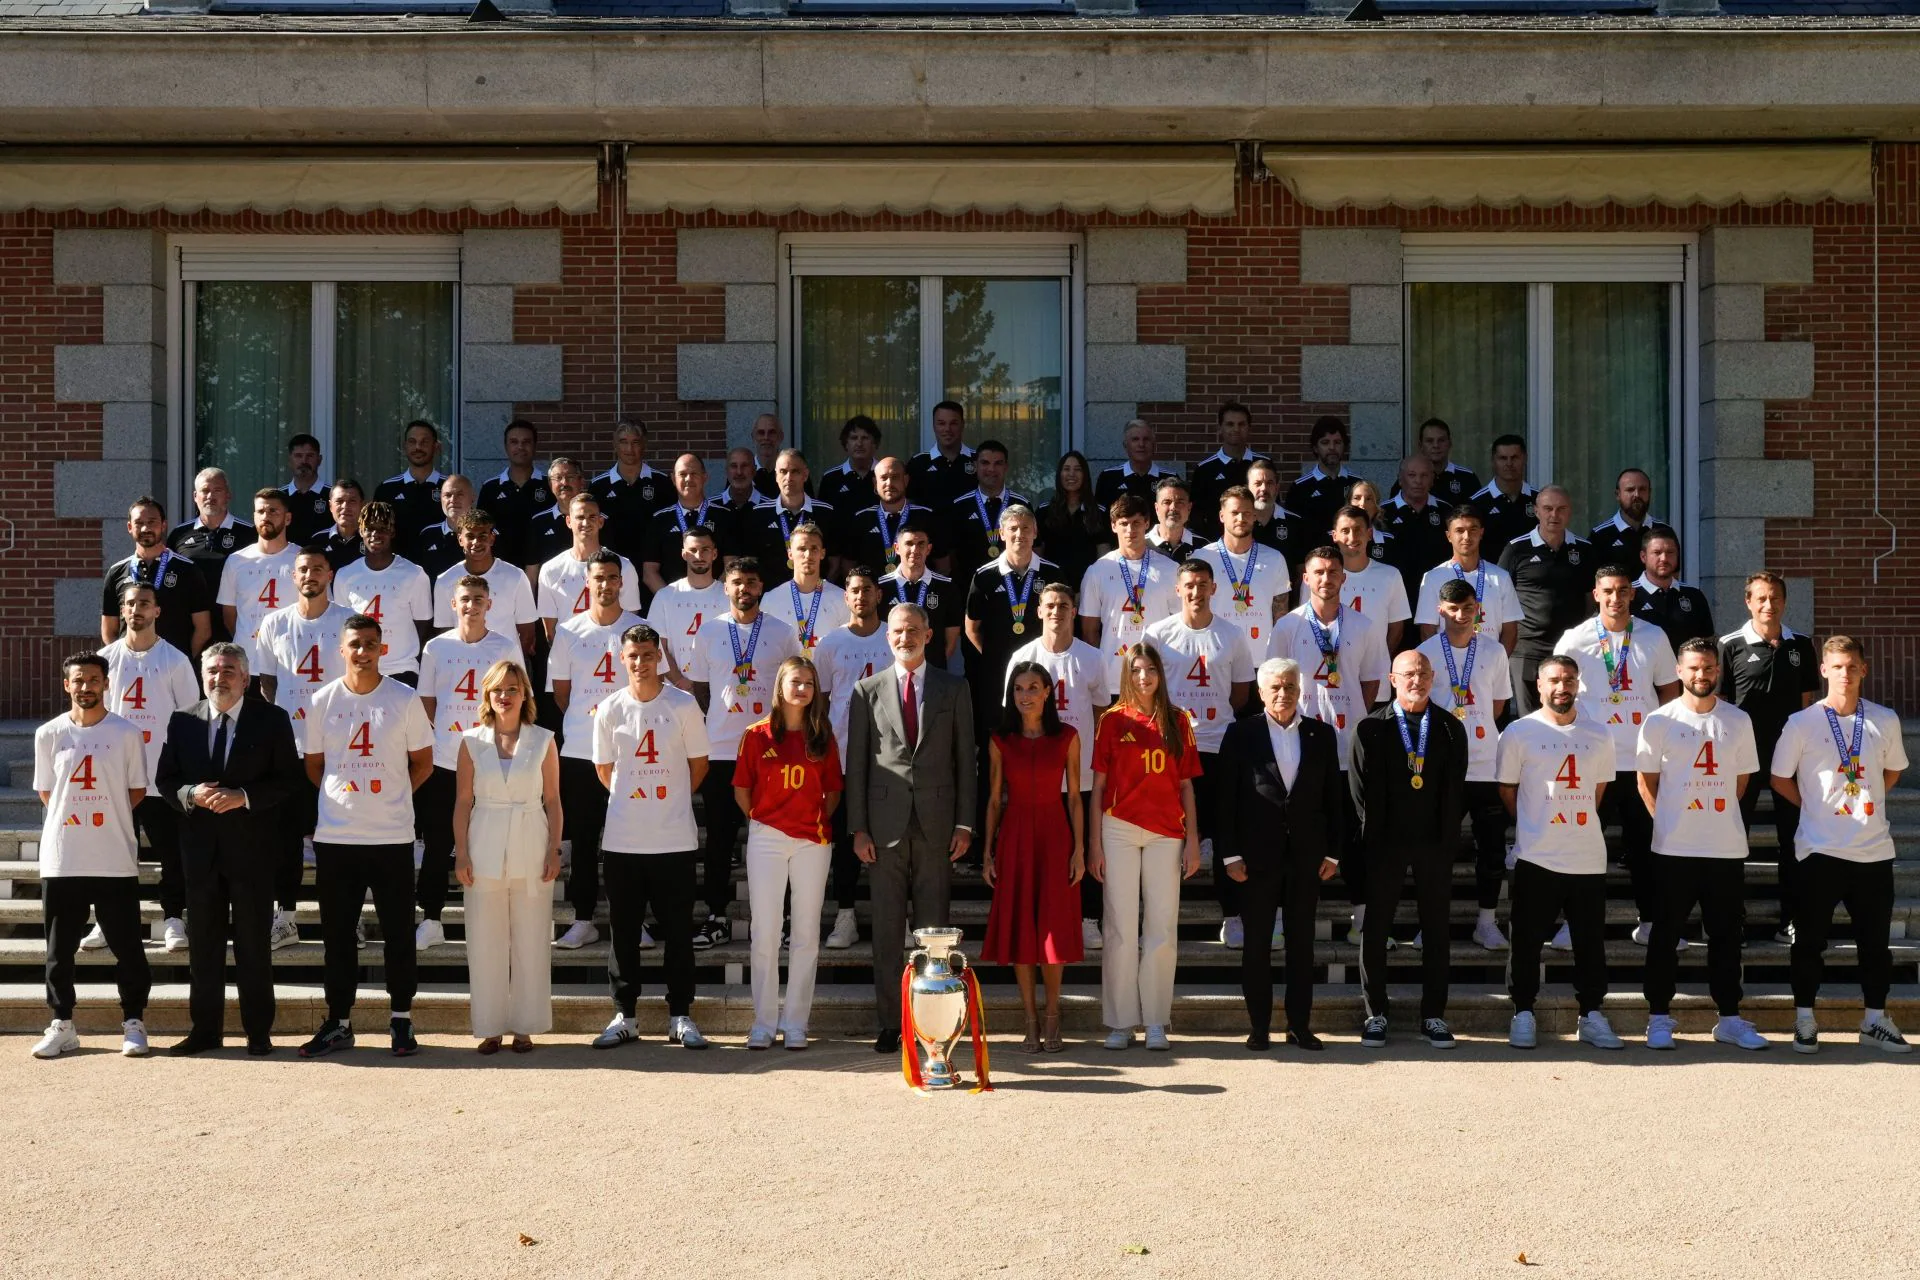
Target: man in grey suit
[(910, 796)]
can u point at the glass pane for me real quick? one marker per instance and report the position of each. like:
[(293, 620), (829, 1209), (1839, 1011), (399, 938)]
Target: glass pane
[(1001, 351), (859, 353), (393, 356), (1469, 365), (1611, 396), (252, 350)]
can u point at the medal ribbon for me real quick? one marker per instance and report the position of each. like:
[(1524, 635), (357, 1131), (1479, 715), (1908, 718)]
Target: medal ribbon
[(1018, 603), (924, 584), (1849, 756), (1479, 589), (699, 517), (159, 569), (1616, 673), (743, 662), (1328, 638), (1461, 685), (1416, 756), (989, 527), (808, 637), (1242, 585), (1135, 591)]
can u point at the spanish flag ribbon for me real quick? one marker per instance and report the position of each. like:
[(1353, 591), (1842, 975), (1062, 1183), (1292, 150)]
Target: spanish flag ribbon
[(976, 1023), (977, 1020)]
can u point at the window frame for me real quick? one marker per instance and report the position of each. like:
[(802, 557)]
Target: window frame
[(933, 256)]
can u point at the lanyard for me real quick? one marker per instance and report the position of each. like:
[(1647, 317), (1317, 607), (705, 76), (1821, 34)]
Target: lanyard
[(888, 536), (1017, 603), (1242, 584), (159, 569), (680, 515), (808, 636), (1479, 589), (1461, 686), (990, 527), (1134, 603), (921, 599), (1616, 672), (1328, 638), (1416, 756), (1849, 756), (743, 662)]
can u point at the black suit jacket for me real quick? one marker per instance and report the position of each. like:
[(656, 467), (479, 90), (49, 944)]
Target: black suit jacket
[(1259, 817), (261, 760), (1392, 814)]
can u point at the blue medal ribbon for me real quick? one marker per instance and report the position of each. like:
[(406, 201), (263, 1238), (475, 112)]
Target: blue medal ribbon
[(921, 600), (1328, 638), (990, 527), (680, 516), (743, 661), (808, 637), (1416, 755), (889, 536), (1479, 589), (1616, 672), (1849, 756), (1462, 687), (1017, 603), (1135, 591), (1242, 585)]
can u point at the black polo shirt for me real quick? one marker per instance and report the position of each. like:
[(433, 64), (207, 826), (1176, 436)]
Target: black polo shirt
[(1114, 481), (667, 530), (844, 491), (1419, 539), (1503, 518), (859, 539), (1768, 681), (936, 480), (1679, 610), (209, 549), (547, 536), (513, 507), (1174, 551), (436, 549), (1287, 533), (762, 532), (990, 604), (307, 513), (1316, 496), (628, 506), (341, 551), (1070, 543), (1555, 589), (1208, 480), (416, 504), (177, 587), (1455, 485), (1617, 542), (972, 526), (934, 592)]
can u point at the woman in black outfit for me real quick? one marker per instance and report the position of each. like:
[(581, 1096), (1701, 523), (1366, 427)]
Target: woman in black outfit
[(1073, 528)]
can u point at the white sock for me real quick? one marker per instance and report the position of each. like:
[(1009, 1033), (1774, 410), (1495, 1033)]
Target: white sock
[(1360, 918), (1873, 1016), (406, 1016), (1486, 915), (1799, 1013)]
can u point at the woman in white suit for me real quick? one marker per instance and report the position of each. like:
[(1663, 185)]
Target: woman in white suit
[(506, 833)]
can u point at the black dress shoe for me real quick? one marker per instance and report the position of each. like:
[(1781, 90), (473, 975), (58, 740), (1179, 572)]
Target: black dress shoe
[(1259, 1041), (887, 1042), (259, 1047), (1305, 1040), (194, 1044)]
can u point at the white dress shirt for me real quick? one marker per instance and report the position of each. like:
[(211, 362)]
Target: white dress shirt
[(919, 674), (1286, 754)]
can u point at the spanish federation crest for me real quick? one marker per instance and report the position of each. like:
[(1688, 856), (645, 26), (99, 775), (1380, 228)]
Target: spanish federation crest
[(933, 600), (1793, 656), (171, 580), (226, 540), (1433, 518), (540, 495), (1377, 551), (1686, 605), (1279, 528), (966, 465), (1573, 557)]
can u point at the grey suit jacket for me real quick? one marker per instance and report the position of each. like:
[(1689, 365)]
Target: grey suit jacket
[(888, 786)]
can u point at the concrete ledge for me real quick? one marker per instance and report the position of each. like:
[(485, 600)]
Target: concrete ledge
[(486, 314), (1733, 429), (76, 606), (726, 371), (1757, 370), (96, 490), (1112, 313), (86, 257), (728, 255), (752, 312), (95, 372), (1369, 373), (1122, 372), (1733, 313), (1748, 487), (1757, 255), (1373, 314), (1136, 255), (490, 256), (1350, 256), (511, 373)]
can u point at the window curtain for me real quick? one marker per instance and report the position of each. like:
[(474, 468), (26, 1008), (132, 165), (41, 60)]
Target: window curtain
[(1468, 365), (252, 371), (859, 353), (393, 361), (1610, 392), (1001, 359)]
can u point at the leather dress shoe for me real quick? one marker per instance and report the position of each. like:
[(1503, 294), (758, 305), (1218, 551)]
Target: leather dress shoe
[(1305, 1040), (1259, 1041), (259, 1047), (193, 1044), (887, 1042)]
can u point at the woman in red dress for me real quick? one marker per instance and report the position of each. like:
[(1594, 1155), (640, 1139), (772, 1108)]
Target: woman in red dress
[(1034, 857)]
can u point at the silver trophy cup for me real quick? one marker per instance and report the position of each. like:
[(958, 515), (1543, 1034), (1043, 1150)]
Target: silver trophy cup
[(937, 997)]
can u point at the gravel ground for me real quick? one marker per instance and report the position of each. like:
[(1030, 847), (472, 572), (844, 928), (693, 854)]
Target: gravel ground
[(1206, 1162)]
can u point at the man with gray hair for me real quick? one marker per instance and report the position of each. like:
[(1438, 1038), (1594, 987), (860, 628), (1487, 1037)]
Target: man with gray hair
[(1552, 574), (1280, 828)]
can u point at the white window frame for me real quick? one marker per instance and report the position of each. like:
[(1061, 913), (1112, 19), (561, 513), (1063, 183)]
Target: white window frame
[(322, 261), (1540, 260), (933, 256)]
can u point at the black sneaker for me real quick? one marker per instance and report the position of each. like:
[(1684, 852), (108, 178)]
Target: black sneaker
[(1373, 1035), (333, 1034), (1806, 1035), (1437, 1034), (404, 1045), (712, 933)]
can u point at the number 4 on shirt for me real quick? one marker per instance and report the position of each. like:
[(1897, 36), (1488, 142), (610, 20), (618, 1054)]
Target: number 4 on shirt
[(361, 739), (83, 775), (604, 672), (309, 666), (646, 750), (467, 686), (270, 594), (1705, 762), (1569, 775), (136, 694), (1197, 673)]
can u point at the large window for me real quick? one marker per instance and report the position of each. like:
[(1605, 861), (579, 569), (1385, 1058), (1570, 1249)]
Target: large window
[(1577, 347), (889, 326), (336, 337)]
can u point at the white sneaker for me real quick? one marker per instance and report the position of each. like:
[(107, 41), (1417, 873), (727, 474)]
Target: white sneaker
[(759, 1038), (1522, 1033), (1739, 1033), (428, 933), (174, 934), (1157, 1039), (1784, 936), (1488, 935), (1598, 1032), (1233, 934), (1090, 936), (282, 932), (1563, 940), (94, 941), (1806, 1034), (1881, 1034), (1121, 1038), (1643, 934), (60, 1038), (646, 939), (1660, 1031), (620, 1031), (846, 930), (796, 1041), (133, 1039), (578, 934), (682, 1032)]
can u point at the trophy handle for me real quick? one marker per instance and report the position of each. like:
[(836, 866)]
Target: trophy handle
[(957, 961)]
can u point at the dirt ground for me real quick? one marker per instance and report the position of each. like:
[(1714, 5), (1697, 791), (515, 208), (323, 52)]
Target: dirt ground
[(1209, 1161)]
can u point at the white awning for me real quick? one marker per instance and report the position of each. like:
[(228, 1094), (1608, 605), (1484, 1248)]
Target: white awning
[(397, 183), (903, 180), (1501, 177)]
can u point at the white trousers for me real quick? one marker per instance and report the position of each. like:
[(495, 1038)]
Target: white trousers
[(775, 859), (509, 960), (1139, 946)]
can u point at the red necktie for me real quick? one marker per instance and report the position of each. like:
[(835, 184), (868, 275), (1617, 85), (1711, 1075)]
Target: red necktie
[(909, 713)]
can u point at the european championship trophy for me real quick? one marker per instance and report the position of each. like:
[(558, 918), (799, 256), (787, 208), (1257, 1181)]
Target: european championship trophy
[(939, 997)]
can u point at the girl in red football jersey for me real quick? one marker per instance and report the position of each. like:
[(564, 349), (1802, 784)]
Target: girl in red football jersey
[(1145, 842), (787, 781)]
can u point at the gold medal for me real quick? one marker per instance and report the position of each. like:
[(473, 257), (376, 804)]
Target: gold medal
[(1459, 713), (1616, 697), (1019, 628), (1416, 782), (1853, 789)]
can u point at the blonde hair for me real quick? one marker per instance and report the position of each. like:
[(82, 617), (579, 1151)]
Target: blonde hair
[(498, 674)]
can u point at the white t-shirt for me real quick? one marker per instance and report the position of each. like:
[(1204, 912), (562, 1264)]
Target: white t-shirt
[(366, 794), (88, 830), (587, 656), (302, 655), (1360, 654), (563, 586), (1081, 691), (145, 689), (680, 611), (1104, 595), (650, 804), (1490, 680), (1379, 592), (255, 584), (1699, 757), (507, 583), (1202, 667), (1831, 821), (843, 659), (711, 662), (827, 607), (1253, 610), (397, 597), (1649, 663), (1498, 603), (451, 671), (1559, 769)]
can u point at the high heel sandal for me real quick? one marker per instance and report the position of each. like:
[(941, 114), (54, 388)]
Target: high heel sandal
[(523, 1044), (1032, 1043), (1052, 1042)]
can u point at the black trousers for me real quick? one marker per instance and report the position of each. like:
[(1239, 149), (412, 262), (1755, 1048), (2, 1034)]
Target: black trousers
[(158, 821), (723, 822), (663, 881), (1353, 858), (844, 870), (233, 900), (1622, 805), (1867, 890), (584, 801), (344, 873), (1719, 886), (1489, 818), (433, 817), (292, 825), (1539, 896), (1226, 890), (411, 679), (115, 902), (1786, 821), (1292, 890), (1387, 870)]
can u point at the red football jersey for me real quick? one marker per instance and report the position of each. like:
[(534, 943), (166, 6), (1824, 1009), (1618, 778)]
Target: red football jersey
[(1143, 778), (789, 791)]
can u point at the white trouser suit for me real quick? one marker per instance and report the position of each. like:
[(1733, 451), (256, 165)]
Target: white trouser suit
[(509, 907)]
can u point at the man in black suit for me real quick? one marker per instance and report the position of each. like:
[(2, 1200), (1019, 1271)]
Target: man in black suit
[(228, 763), (1282, 822)]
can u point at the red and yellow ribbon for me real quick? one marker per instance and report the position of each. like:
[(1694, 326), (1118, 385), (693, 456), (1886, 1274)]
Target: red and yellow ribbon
[(976, 1025)]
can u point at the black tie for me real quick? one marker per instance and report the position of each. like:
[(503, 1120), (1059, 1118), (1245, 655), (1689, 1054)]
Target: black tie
[(220, 745)]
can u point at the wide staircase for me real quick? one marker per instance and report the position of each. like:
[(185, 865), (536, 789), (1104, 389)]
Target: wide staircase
[(1207, 993)]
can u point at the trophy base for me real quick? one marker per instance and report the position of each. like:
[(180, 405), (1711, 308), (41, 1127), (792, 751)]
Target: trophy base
[(940, 1075)]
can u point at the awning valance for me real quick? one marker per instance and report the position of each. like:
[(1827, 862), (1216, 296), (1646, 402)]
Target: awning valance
[(1501, 177), (903, 180), (397, 183)]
